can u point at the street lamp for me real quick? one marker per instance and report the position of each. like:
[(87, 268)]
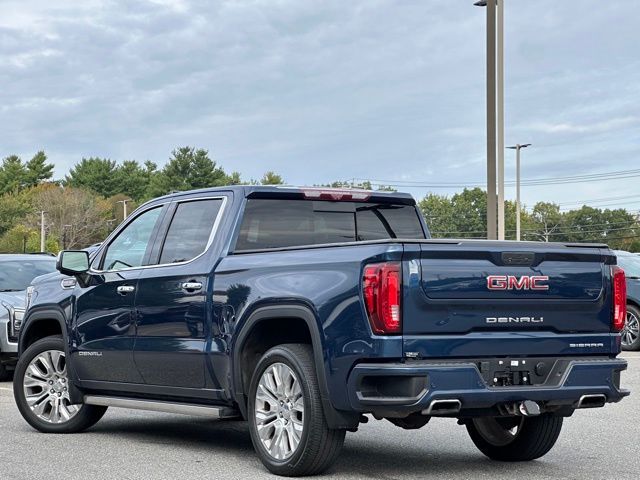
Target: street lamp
[(42, 231), (495, 116), (124, 207), (517, 148)]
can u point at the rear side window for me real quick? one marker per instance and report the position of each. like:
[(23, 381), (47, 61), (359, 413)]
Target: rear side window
[(286, 223), (190, 230)]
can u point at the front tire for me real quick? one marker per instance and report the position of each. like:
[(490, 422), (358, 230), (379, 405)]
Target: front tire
[(40, 388), (286, 419), (631, 332), (515, 439)]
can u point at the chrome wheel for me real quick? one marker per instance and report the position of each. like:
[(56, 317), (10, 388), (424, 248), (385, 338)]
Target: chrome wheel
[(279, 411), (498, 431), (631, 330), (45, 386)]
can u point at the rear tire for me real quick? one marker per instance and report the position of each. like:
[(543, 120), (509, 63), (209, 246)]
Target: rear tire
[(40, 388), (515, 439), (284, 401), (631, 332)]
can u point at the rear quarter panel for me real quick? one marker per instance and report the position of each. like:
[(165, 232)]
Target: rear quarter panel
[(327, 281)]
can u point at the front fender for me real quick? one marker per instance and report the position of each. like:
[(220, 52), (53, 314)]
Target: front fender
[(36, 317)]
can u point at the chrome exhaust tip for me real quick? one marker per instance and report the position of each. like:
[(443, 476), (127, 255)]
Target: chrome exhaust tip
[(592, 401), (443, 407)]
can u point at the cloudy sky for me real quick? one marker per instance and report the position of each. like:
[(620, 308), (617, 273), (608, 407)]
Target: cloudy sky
[(387, 90)]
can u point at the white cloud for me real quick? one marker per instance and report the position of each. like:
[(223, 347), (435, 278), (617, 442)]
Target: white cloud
[(595, 127), (319, 90)]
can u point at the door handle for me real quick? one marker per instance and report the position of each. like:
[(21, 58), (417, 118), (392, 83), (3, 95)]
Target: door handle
[(191, 286), (124, 289)]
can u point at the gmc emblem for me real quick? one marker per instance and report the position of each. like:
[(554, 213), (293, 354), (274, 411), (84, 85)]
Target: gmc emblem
[(511, 282)]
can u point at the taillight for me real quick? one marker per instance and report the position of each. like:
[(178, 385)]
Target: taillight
[(619, 298), (382, 285)]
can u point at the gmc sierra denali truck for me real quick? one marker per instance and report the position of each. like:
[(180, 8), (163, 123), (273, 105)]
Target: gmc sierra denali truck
[(301, 310)]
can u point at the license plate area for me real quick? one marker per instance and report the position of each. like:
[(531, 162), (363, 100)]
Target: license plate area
[(522, 372)]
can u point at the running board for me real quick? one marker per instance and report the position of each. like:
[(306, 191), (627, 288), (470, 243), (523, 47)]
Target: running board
[(160, 406)]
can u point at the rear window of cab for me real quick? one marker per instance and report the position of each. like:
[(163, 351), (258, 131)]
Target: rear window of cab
[(273, 223)]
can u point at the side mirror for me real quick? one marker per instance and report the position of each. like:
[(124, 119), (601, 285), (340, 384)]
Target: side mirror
[(73, 262)]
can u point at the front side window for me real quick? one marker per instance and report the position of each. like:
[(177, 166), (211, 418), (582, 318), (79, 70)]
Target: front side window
[(190, 230), (129, 247)]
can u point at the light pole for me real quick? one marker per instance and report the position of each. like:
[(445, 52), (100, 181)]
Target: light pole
[(495, 117), (517, 148), (500, 115), (124, 207), (42, 230)]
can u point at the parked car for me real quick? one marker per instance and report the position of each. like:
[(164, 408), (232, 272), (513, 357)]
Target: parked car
[(301, 309), (630, 262), (16, 273)]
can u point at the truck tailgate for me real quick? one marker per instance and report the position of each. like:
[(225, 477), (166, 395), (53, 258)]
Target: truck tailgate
[(474, 291)]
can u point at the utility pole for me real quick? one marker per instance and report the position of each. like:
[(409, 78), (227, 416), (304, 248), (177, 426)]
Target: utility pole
[(64, 236), (500, 114), (42, 239), (517, 148), (495, 116), (124, 208)]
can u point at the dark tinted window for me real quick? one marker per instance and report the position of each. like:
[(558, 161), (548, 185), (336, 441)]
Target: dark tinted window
[(190, 230), (286, 223)]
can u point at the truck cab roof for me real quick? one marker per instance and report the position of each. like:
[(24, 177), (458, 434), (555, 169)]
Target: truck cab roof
[(288, 191)]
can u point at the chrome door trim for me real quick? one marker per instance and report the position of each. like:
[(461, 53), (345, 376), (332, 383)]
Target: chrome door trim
[(214, 229)]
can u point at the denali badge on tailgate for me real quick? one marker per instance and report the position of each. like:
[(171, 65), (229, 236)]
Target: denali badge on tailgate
[(514, 319), (511, 282)]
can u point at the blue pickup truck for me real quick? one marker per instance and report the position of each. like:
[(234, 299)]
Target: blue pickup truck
[(301, 310)]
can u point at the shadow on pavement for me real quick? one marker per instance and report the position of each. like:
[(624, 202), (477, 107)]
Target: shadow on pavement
[(361, 456), (187, 432)]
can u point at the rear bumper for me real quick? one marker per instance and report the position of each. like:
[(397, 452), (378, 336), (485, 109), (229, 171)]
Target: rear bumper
[(397, 389)]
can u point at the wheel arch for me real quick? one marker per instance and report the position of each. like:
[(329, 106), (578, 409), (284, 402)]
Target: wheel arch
[(293, 313), (633, 302), (52, 319), (45, 321)]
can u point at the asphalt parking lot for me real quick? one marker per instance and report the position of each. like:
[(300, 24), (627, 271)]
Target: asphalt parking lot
[(595, 444)]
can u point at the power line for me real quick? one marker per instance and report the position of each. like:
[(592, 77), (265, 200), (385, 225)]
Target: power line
[(607, 239), (594, 200), (586, 178), (554, 233), (482, 217), (603, 239)]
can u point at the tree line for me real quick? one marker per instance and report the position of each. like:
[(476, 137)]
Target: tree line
[(463, 215), (87, 204)]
